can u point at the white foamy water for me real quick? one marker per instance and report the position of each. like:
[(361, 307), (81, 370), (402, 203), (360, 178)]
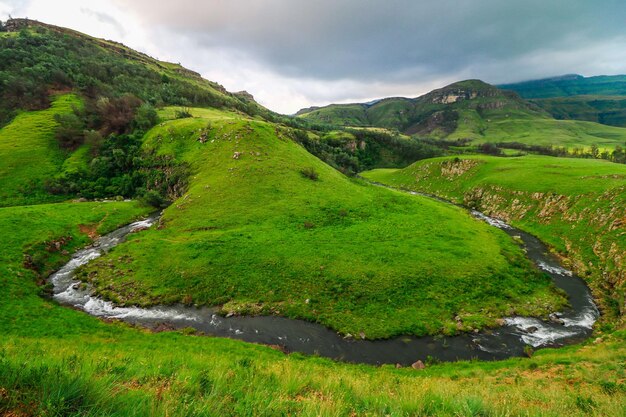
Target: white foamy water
[(77, 294), (554, 269), (493, 222)]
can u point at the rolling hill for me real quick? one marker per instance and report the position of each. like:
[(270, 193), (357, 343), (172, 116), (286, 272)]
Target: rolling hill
[(474, 112)]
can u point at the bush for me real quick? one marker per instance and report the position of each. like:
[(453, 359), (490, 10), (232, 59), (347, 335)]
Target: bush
[(310, 173), (154, 199), (183, 113)]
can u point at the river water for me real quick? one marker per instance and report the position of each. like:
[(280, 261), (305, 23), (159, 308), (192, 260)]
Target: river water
[(567, 327)]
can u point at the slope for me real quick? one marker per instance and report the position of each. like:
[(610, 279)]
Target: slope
[(266, 228), (30, 154), (472, 112), (577, 206), (36, 58), (570, 85)]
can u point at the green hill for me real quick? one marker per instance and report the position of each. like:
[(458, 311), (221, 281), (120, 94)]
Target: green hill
[(577, 206), (570, 85), (264, 226), (30, 154), (36, 58), (474, 112), (600, 99)]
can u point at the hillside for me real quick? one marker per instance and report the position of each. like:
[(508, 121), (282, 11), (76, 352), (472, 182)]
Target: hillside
[(607, 110), (577, 206), (474, 112), (264, 227), (570, 85), (37, 58), (600, 99)]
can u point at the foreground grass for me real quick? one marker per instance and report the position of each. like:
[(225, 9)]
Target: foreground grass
[(57, 361), (266, 228), (30, 154), (577, 206)]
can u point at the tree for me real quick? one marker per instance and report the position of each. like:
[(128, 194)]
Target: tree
[(595, 151)]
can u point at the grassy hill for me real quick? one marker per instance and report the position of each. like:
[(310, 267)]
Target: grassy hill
[(264, 226), (577, 206), (570, 85), (36, 58), (30, 154), (608, 110), (474, 112), (600, 99)]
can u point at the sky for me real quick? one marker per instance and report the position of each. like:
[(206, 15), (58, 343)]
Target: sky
[(292, 54)]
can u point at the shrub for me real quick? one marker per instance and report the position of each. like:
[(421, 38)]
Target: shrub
[(310, 173), (183, 113), (154, 199)]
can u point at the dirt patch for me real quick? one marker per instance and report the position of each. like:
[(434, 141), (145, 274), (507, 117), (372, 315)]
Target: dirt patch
[(90, 230)]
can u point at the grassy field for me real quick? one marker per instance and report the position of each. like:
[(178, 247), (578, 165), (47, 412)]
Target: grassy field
[(578, 206), (57, 361), (29, 153), (495, 127), (266, 228)]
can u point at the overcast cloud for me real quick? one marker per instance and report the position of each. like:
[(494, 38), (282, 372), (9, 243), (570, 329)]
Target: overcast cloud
[(293, 53)]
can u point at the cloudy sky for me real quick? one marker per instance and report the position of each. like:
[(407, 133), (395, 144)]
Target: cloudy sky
[(296, 53)]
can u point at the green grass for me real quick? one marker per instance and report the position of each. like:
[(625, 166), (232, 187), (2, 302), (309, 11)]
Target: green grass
[(254, 235), (57, 361), (510, 126), (575, 205), (30, 154)]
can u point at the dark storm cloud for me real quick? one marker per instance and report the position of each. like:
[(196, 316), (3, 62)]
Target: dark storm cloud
[(389, 40)]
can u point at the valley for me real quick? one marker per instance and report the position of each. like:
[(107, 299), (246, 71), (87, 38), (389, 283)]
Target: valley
[(171, 248)]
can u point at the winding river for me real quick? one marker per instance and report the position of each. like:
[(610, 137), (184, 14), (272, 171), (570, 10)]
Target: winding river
[(567, 327)]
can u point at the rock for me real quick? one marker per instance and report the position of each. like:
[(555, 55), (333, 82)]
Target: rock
[(598, 340), (348, 336), (398, 366), (362, 335), (531, 329), (500, 322), (418, 365), (236, 155), (554, 318)]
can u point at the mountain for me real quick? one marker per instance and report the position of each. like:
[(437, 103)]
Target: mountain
[(600, 99), (570, 85), (471, 111), (434, 113), (37, 59)]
